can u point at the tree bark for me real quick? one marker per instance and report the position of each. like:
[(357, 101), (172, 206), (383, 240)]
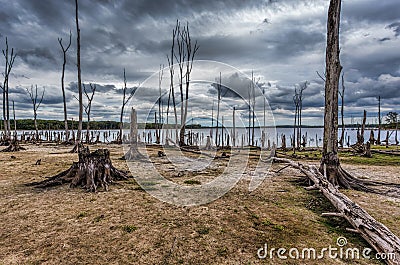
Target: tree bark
[(93, 170), (374, 232), (133, 152), (341, 141), (78, 64), (64, 50), (333, 68), (378, 139)]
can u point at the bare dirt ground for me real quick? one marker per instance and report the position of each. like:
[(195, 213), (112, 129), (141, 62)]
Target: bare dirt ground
[(126, 225)]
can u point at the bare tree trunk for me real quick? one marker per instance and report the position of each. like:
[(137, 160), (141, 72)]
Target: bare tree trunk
[(64, 50), (15, 123), (218, 105), (9, 58), (363, 127), (341, 141), (330, 157), (35, 106), (88, 108), (234, 127), (378, 139), (296, 102), (78, 64), (133, 152)]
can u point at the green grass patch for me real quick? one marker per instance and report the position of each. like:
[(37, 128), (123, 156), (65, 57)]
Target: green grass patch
[(192, 182), (203, 230), (129, 228), (82, 215)]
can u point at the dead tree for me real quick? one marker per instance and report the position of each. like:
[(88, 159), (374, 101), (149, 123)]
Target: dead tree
[(184, 56), (302, 86), (125, 99), (330, 160), (35, 105), (88, 108), (133, 152), (78, 64), (359, 146), (296, 102), (219, 97), (160, 115), (93, 170), (341, 94), (374, 232), (65, 50), (172, 72), (378, 139), (10, 59), (15, 122), (253, 105)]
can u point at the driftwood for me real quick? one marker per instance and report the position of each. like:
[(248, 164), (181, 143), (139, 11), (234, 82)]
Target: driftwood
[(374, 232), (91, 171)]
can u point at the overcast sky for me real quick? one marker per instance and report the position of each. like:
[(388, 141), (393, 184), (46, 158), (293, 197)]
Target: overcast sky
[(283, 42)]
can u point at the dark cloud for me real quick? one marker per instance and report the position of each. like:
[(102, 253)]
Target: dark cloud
[(282, 41), (395, 27)]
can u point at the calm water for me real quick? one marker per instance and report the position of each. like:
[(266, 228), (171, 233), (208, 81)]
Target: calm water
[(199, 136)]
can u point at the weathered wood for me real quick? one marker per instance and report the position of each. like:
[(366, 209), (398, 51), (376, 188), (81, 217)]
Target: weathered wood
[(133, 152), (13, 147), (374, 232), (93, 170)]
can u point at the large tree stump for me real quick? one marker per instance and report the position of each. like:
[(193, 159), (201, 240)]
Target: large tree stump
[(13, 147), (91, 171)]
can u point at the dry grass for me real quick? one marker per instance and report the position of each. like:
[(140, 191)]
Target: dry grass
[(128, 226)]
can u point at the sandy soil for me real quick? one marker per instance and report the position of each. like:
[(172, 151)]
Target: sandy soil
[(126, 225)]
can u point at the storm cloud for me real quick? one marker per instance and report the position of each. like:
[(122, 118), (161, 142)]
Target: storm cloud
[(281, 42)]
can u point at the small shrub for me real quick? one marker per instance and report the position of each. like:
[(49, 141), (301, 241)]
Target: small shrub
[(203, 230), (82, 214), (192, 182), (129, 228)]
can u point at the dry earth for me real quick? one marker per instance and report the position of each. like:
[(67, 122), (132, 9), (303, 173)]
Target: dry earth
[(126, 225)]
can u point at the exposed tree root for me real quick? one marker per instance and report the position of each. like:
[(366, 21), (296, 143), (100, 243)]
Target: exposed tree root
[(91, 171), (13, 147), (133, 154)]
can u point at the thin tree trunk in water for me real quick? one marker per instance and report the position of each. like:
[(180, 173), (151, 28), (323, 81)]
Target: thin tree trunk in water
[(234, 127), (341, 141), (378, 140), (15, 123), (78, 64), (333, 68)]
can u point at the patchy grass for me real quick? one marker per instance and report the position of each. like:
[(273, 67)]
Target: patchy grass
[(349, 157), (129, 226), (192, 182), (375, 160)]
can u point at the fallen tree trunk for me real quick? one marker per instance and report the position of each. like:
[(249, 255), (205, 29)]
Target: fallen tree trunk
[(91, 171), (374, 232)]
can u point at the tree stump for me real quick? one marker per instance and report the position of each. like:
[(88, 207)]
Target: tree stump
[(13, 147), (133, 152), (91, 171)]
